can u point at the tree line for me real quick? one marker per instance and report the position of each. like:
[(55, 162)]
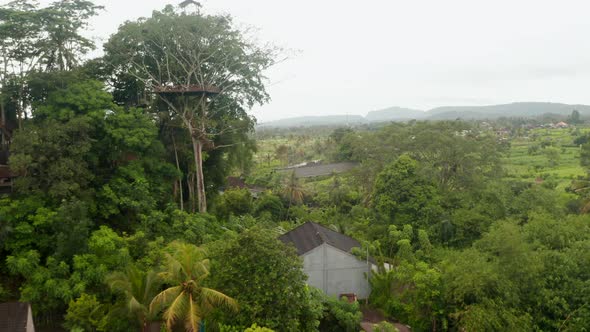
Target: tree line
[(115, 219)]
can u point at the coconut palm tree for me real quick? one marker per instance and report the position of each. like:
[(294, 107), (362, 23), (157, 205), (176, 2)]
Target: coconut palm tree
[(139, 289), (187, 300), (293, 191)]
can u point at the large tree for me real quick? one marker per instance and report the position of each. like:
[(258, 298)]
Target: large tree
[(184, 52), (38, 39), (404, 196), (266, 278)]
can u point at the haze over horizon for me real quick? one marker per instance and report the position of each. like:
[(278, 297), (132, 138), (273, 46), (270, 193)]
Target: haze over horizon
[(355, 58)]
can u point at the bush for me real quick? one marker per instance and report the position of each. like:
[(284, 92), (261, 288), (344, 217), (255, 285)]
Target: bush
[(235, 202), (86, 314), (385, 327), (266, 278), (338, 315), (271, 204), (256, 328)]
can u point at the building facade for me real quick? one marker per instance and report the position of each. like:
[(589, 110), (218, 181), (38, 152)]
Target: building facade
[(328, 261)]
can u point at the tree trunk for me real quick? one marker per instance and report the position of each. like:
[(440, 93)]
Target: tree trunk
[(198, 152), (19, 116), (179, 180), (2, 109), (191, 191), (20, 106), (3, 143)]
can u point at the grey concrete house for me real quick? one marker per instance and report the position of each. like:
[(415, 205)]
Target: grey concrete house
[(327, 260), (16, 317)]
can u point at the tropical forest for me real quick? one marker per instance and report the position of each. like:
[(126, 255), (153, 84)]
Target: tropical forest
[(139, 193)]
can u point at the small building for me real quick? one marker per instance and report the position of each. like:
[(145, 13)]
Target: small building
[(16, 317), (561, 125), (328, 261), (316, 168)]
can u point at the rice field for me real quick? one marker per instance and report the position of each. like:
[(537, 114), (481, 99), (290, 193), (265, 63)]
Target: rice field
[(549, 154)]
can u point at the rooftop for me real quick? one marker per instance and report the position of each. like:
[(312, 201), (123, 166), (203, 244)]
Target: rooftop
[(311, 235), (313, 169)]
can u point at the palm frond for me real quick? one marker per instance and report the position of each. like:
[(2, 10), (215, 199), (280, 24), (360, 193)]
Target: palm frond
[(176, 310), (135, 307), (216, 298), (181, 260), (193, 319), (163, 298), (150, 289), (118, 282), (174, 270), (201, 270)]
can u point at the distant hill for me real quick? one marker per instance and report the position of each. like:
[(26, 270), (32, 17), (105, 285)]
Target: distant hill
[(395, 114), (521, 109), (306, 121), (525, 110)]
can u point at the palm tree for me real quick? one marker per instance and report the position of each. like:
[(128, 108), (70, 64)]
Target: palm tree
[(139, 289), (186, 300), (293, 191)]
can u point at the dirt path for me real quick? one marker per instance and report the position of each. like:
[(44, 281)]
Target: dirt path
[(371, 316)]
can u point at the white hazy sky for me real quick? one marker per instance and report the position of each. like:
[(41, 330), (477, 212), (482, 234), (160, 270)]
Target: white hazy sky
[(358, 56)]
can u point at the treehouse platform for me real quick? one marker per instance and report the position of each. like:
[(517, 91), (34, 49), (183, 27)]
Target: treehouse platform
[(191, 90)]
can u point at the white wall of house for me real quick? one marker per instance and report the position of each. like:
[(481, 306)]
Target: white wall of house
[(336, 272), (30, 325)]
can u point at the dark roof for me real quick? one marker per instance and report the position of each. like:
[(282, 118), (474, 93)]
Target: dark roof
[(313, 170), (311, 235), (236, 182), (13, 316)]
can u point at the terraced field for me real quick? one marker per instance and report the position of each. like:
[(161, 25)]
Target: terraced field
[(547, 154)]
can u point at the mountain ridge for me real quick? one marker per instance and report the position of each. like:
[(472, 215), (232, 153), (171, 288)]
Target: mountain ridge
[(395, 113)]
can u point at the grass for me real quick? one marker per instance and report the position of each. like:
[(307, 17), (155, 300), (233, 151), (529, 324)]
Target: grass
[(525, 164)]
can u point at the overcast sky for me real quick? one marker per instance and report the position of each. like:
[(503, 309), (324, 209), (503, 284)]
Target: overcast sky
[(358, 56)]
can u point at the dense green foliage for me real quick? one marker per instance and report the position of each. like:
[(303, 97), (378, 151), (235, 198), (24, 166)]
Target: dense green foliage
[(465, 241), (269, 284), (473, 226)]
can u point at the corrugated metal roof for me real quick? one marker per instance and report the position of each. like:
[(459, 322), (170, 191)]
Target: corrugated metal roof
[(311, 235), (313, 169)]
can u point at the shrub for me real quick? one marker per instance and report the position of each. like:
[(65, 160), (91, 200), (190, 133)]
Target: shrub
[(385, 327), (256, 328), (85, 314), (338, 314), (266, 278)]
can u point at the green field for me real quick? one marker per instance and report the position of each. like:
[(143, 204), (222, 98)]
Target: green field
[(524, 162)]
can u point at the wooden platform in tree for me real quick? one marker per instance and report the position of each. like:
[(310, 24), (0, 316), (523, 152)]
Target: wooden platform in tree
[(194, 90)]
